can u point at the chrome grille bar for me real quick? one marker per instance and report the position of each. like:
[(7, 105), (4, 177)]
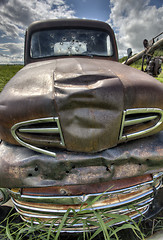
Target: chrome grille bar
[(39, 130), (77, 228), (138, 120), (145, 196), (137, 192), (46, 216)]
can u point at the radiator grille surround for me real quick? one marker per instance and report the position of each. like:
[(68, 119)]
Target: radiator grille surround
[(140, 122), (42, 132)]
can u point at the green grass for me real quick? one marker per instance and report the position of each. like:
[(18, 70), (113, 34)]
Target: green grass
[(160, 77), (7, 72), (14, 229), (137, 64)]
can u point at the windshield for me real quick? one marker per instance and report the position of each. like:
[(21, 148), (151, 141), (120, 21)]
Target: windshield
[(67, 42)]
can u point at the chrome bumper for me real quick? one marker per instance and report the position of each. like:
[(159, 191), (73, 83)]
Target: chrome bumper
[(130, 202)]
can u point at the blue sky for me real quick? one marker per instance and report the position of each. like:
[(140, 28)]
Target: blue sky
[(132, 20), (91, 9)]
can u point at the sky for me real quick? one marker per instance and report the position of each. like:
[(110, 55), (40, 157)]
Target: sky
[(132, 21)]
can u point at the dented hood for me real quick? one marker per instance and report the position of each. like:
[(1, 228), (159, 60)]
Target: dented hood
[(88, 95)]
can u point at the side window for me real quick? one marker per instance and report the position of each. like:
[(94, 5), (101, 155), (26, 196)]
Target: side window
[(109, 46), (34, 50)]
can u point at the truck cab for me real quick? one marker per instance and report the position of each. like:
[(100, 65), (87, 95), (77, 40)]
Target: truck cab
[(52, 39), (76, 125)]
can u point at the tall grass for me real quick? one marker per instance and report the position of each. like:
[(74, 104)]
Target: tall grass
[(11, 228)]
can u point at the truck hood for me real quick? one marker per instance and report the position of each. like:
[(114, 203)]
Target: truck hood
[(87, 95)]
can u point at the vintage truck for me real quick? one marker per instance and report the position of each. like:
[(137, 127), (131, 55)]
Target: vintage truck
[(77, 125)]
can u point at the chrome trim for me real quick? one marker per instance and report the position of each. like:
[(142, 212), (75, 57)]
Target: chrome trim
[(74, 199), (39, 130), (157, 175), (132, 200), (135, 205), (76, 228), (124, 211), (156, 111), (21, 128), (112, 205), (86, 198), (138, 120)]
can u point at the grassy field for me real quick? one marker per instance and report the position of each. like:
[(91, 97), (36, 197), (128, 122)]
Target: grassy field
[(7, 72), (138, 66), (160, 77), (138, 63)]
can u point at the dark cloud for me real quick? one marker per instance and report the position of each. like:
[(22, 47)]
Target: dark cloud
[(20, 14), (9, 29), (3, 2)]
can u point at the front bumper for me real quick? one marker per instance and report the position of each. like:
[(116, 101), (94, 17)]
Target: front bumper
[(22, 167), (122, 180), (114, 206)]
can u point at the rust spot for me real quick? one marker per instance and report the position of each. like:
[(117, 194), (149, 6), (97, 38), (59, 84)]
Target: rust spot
[(89, 188)]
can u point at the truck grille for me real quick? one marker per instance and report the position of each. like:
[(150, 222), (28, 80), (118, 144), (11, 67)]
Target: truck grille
[(40, 134), (44, 132), (140, 122), (130, 201)]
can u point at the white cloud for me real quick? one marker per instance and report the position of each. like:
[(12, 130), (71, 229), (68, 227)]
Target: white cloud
[(17, 15), (134, 21), (11, 48), (11, 52)]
